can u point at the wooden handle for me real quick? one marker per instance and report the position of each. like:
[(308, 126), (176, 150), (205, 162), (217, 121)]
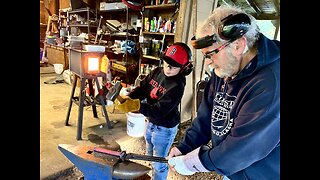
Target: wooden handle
[(120, 99)]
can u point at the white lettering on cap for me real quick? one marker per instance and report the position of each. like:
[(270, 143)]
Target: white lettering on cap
[(174, 50)]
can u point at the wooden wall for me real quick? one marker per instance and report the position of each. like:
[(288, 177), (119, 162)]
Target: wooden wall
[(51, 5)]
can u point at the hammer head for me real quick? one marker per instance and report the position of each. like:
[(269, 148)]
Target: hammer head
[(114, 91)]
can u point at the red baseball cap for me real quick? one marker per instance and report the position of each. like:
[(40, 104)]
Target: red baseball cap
[(176, 55)]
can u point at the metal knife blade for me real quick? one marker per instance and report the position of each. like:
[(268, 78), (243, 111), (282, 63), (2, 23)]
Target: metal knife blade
[(125, 156)]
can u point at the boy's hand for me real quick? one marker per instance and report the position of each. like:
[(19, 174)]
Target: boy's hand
[(124, 92)]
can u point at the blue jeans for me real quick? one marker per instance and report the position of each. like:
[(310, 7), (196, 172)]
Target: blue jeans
[(159, 140)]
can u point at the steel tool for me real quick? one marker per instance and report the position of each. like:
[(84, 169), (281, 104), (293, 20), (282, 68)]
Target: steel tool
[(123, 155)]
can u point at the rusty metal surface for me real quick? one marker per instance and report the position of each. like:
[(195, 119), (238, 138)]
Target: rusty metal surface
[(91, 167), (106, 157), (86, 152)]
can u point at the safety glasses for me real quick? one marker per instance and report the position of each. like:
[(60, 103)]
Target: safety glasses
[(232, 27), (207, 55)]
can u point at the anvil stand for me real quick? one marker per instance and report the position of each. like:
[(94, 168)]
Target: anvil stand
[(80, 100)]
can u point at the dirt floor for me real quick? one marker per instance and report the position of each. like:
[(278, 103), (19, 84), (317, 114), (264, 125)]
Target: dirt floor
[(131, 146)]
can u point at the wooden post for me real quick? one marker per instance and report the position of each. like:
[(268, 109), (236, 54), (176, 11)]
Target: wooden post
[(44, 58), (180, 21), (276, 33), (194, 21)]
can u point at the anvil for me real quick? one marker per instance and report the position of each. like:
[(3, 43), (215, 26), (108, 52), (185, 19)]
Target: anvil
[(96, 168)]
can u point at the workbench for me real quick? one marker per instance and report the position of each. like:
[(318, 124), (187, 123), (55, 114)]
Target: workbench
[(57, 55)]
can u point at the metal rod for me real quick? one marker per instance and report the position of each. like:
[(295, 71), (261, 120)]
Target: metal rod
[(82, 95), (91, 93), (71, 99), (127, 21), (102, 103), (146, 158)]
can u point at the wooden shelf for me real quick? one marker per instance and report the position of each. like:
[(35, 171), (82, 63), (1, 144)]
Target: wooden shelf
[(113, 10), (122, 35), (166, 11), (81, 10), (118, 70), (158, 33), (55, 46), (114, 52), (151, 57), (82, 25), (161, 6)]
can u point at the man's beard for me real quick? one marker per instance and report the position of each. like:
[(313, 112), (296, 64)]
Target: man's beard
[(230, 68)]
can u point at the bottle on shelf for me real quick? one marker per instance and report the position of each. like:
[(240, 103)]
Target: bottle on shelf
[(159, 24), (152, 25), (141, 68), (146, 24)]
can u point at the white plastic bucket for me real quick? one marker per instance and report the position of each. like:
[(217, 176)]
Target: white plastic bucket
[(58, 68), (135, 124)]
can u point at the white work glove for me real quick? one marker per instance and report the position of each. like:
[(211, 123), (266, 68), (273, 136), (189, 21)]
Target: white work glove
[(178, 165), (124, 92), (109, 102), (187, 164), (174, 152)]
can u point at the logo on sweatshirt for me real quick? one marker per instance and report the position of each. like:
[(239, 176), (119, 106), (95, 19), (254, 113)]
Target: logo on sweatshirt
[(153, 93), (220, 117), (158, 89)]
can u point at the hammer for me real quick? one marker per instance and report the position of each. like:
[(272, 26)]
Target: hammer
[(126, 105), (113, 93)]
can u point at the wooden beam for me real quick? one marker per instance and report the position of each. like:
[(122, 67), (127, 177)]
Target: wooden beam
[(276, 32), (265, 16), (180, 21), (187, 22), (230, 3), (215, 4), (254, 6), (276, 4), (194, 20)]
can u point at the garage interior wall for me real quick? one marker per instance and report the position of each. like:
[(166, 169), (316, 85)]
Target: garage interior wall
[(203, 10), (195, 11)]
